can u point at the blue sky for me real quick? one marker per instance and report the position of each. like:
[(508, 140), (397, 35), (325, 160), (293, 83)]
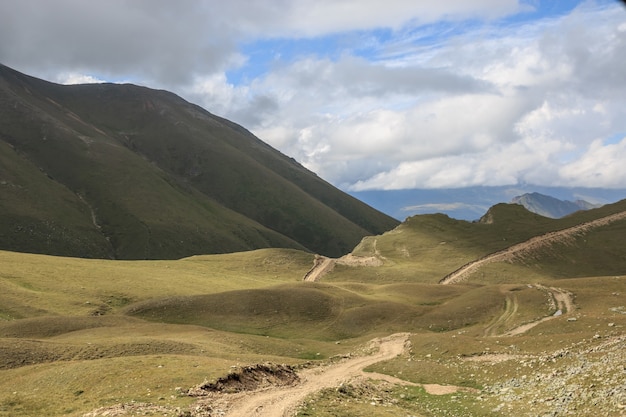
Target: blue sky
[(369, 94)]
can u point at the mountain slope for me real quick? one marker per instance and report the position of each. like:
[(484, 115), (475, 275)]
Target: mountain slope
[(426, 248), (548, 206), (157, 177), (543, 246)]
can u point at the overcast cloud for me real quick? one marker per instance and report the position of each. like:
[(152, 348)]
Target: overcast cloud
[(368, 94)]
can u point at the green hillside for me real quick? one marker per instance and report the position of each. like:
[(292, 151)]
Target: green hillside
[(425, 248), (143, 174)]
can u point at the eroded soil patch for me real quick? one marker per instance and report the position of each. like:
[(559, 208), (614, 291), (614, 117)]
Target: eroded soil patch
[(249, 378)]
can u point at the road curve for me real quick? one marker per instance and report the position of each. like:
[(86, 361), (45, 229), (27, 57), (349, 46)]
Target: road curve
[(283, 401)]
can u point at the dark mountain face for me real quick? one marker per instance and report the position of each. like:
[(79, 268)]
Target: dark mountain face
[(128, 172), (549, 206)]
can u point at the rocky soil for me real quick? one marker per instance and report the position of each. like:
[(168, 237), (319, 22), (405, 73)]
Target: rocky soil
[(585, 379)]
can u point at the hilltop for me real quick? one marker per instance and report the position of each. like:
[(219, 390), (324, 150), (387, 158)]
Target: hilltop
[(129, 172)]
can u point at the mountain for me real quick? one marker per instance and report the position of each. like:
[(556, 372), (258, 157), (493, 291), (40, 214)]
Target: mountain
[(470, 203), (547, 206), (128, 172), (428, 247)]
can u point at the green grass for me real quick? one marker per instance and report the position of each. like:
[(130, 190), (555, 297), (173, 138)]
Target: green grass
[(162, 177), (69, 286), (101, 332)]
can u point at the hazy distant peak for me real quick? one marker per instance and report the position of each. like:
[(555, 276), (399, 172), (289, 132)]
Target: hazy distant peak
[(548, 206)]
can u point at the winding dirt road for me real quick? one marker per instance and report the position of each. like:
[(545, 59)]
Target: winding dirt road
[(564, 304), (530, 245), (284, 401)]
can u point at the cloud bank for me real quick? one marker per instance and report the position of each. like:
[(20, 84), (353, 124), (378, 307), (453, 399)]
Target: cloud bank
[(370, 95)]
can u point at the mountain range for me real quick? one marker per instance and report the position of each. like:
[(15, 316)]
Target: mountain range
[(471, 203), (128, 172)]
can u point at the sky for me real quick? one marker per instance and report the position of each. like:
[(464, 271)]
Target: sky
[(369, 94)]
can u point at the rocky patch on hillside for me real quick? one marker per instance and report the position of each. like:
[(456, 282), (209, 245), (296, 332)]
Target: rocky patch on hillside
[(588, 378)]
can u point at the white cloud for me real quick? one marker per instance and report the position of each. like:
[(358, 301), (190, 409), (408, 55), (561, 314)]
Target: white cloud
[(443, 105), (77, 78), (444, 207), (310, 18), (601, 163), (546, 95)]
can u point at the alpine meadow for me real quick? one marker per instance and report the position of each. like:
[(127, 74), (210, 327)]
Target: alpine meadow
[(158, 260)]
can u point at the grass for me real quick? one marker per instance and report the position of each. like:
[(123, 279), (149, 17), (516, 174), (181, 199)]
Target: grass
[(78, 386), (77, 334), (69, 286), (161, 177)]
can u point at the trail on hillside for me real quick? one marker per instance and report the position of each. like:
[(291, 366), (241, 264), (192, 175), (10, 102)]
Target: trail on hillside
[(283, 401), (323, 265), (563, 302), (530, 245), (266, 390), (511, 307)]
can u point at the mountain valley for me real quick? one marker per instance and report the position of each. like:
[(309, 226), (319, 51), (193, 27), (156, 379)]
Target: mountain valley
[(158, 260), (537, 333)]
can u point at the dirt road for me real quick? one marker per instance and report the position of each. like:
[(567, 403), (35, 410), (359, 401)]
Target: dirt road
[(280, 402), (564, 304), (321, 266), (532, 244)]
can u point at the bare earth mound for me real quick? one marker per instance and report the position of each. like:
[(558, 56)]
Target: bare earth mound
[(249, 378)]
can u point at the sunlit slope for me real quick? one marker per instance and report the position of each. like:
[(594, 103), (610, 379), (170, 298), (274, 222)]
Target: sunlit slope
[(103, 332), (36, 285), (257, 292), (426, 248)]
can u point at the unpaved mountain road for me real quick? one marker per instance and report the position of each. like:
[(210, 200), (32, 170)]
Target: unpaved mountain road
[(564, 304), (321, 266), (532, 244), (283, 401)]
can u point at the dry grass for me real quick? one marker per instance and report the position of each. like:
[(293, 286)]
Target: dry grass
[(79, 334), (46, 285)]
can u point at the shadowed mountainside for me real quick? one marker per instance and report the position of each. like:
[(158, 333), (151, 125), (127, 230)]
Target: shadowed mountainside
[(127, 172)]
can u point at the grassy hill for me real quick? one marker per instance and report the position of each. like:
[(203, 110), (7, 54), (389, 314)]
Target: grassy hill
[(132, 173), (99, 332)]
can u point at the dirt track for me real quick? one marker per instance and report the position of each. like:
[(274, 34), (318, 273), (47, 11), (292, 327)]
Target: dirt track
[(564, 304), (279, 402), (323, 265), (532, 244)]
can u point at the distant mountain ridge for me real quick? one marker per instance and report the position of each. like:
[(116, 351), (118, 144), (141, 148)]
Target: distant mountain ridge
[(471, 203), (128, 172), (548, 206)]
